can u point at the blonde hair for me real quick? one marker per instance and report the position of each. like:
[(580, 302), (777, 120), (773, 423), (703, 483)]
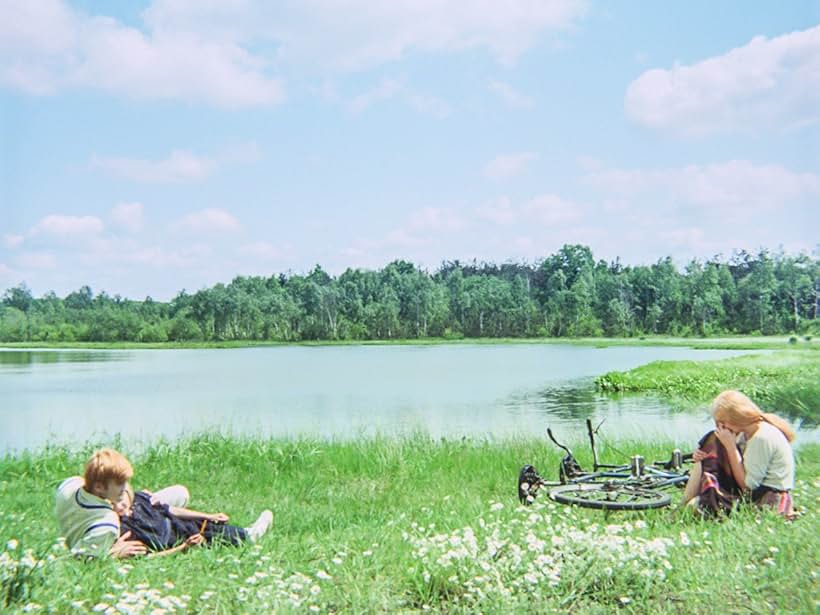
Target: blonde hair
[(105, 465), (736, 408)]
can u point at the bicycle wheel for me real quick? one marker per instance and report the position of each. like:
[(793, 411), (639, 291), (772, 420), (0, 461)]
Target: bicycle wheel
[(609, 496)]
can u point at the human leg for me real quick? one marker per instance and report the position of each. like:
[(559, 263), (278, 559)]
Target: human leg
[(693, 484), (175, 495)]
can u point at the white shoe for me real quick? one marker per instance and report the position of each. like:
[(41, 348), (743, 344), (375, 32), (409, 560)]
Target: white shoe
[(260, 526)]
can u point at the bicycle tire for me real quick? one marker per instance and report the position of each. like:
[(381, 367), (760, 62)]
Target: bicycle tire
[(609, 496)]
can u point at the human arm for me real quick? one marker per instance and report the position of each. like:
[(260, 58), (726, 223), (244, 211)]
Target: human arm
[(728, 440), (124, 547), (193, 540), (185, 513)]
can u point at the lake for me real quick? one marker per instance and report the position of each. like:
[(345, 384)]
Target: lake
[(492, 390)]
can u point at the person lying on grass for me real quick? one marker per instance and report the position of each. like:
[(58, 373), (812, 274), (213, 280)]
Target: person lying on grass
[(165, 530), (765, 471), (84, 507)]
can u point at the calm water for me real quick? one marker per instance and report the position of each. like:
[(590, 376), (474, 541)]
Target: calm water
[(334, 391)]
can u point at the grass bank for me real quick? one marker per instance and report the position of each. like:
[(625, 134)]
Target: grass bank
[(786, 382), (378, 525), (736, 342)]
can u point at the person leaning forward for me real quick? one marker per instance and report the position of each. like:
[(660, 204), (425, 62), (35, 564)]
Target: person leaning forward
[(84, 507)]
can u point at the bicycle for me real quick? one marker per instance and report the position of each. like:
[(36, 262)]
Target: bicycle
[(631, 486)]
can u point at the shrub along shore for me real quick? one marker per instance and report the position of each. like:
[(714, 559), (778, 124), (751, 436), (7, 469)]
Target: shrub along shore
[(738, 342), (386, 525)]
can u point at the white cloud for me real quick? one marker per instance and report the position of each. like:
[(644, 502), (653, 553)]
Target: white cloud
[(6, 272), (418, 230), (12, 241), (128, 216), (505, 166), (386, 90), (499, 212), (690, 237), (763, 84), (510, 96), (261, 250), (395, 89), (157, 256), (58, 225), (359, 34), (47, 46), (180, 166), (209, 221), (435, 220), (545, 209), (551, 210), (37, 260), (735, 185), (429, 105)]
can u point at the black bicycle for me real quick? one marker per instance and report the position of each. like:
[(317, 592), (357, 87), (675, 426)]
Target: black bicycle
[(635, 485)]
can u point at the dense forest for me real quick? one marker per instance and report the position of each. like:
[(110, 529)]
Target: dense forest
[(567, 294)]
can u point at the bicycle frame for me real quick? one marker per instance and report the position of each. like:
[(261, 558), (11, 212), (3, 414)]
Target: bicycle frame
[(635, 485), (636, 468)]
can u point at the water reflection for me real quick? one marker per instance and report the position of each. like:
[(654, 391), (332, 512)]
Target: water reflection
[(15, 359), (334, 392)]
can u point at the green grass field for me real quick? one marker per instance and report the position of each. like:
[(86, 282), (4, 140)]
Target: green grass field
[(409, 525), (415, 524)]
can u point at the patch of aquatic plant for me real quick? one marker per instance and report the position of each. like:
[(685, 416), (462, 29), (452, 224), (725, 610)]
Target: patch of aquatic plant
[(783, 382), (408, 525)]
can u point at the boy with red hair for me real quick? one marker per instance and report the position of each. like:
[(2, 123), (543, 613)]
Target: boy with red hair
[(84, 508)]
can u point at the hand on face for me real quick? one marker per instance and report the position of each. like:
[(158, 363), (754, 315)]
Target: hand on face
[(726, 436)]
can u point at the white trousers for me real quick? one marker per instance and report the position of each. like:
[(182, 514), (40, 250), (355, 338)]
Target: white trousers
[(175, 495)]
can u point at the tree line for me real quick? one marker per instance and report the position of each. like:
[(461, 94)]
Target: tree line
[(568, 294)]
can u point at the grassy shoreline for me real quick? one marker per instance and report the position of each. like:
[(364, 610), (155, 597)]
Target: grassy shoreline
[(412, 524), (725, 342), (785, 382), (385, 525)]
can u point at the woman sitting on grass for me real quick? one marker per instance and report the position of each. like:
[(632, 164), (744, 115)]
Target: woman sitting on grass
[(170, 529), (766, 470), (712, 487)]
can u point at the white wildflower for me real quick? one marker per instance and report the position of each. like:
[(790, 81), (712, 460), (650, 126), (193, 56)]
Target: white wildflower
[(12, 544), (684, 539), (496, 506), (321, 574)]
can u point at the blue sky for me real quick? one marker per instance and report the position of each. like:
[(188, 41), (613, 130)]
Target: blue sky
[(173, 144)]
